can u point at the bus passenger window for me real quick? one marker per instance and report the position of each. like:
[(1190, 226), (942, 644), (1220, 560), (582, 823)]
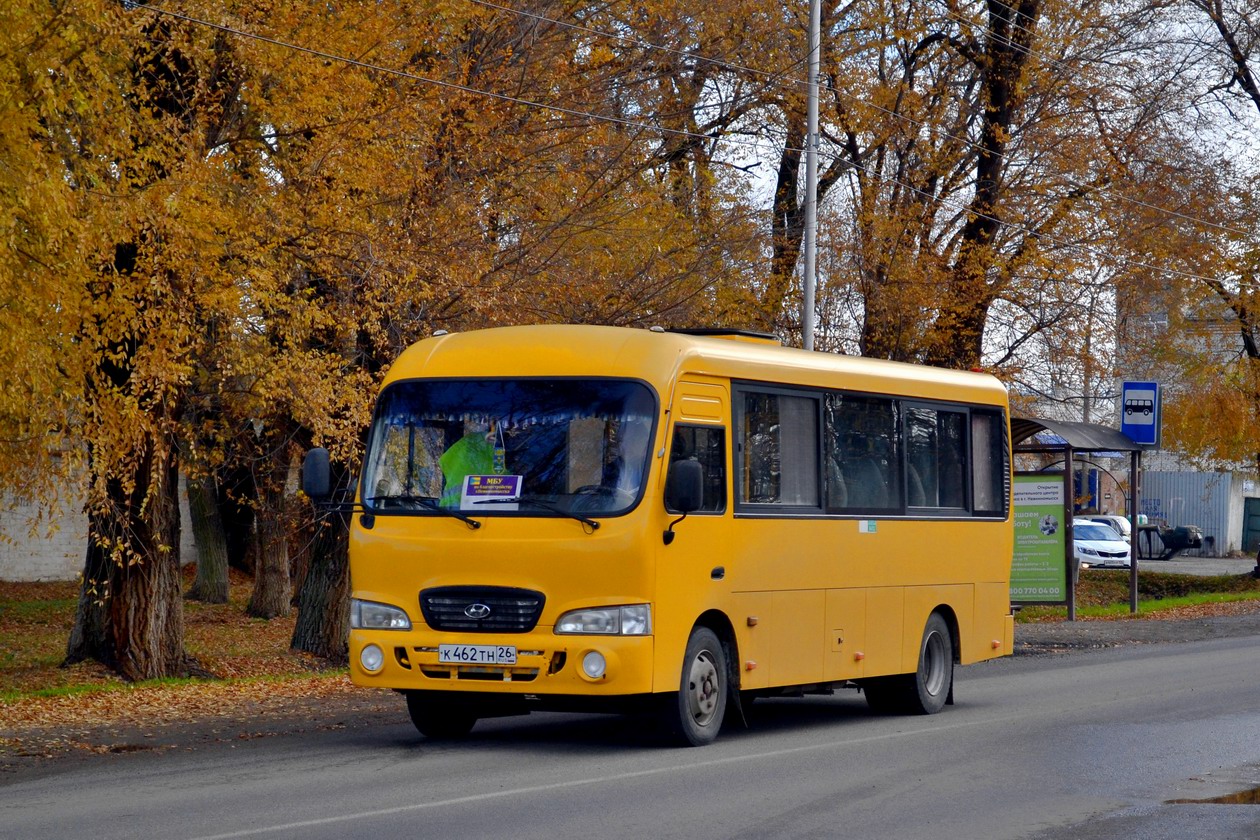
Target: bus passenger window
[(990, 463), (780, 450), (862, 454), (936, 474), (707, 445)]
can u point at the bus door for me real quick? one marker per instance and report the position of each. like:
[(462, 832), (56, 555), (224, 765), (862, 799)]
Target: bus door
[(691, 571)]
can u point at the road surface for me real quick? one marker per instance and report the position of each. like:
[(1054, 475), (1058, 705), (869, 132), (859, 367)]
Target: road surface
[(1089, 744)]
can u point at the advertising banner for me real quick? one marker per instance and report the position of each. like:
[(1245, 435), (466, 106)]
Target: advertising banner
[(1038, 570)]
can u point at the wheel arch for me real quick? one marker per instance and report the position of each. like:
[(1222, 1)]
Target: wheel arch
[(721, 625), (951, 621)]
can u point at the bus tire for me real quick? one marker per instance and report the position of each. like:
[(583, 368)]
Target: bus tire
[(438, 718), (928, 689), (693, 716), (934, 678)]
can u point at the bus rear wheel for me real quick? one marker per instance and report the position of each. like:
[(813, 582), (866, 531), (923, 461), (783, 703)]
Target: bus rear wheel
[(693, 716), (437, 717), (928, 689)]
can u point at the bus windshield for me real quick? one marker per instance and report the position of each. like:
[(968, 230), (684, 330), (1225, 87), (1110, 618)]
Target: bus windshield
[(536, 447)]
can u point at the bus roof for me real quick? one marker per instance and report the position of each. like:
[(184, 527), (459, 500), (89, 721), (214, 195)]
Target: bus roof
[(656, 357)]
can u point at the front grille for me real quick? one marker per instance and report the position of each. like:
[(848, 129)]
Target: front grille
[(458, 608), (484, 674)]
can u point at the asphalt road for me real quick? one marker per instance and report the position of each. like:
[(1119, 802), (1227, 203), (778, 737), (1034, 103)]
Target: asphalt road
[(1086, 745)]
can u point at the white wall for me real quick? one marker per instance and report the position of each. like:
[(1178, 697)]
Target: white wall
[(53, 547)]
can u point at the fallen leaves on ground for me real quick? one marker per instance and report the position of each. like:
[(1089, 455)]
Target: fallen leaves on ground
[(160, 716), (264, 687)]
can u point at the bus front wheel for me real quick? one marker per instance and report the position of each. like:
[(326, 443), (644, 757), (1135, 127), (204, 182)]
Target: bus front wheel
[(438, 717), (926, 691), (694, 715)]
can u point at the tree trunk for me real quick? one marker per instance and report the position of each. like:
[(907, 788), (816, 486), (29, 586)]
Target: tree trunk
[(273, 581), (956, 339), (211, 583), (272, 590), (130, 615), (323, 619), (787, 225), (234, 486)]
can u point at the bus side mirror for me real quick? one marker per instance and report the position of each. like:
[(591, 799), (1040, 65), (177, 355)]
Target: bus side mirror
[(684, 487), (684, 492), (316, 474)]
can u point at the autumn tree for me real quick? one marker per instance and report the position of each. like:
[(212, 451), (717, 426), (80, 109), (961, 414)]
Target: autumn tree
[(477, 168), (977, 162), (229, 220), (1198, 322), (98, 118), (135, 244)]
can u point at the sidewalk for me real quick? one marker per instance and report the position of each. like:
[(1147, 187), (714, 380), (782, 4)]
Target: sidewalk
[(1183, 565), (1212, 621)]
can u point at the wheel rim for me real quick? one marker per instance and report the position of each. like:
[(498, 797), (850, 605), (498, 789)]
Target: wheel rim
[(703, 688), (934, 664)]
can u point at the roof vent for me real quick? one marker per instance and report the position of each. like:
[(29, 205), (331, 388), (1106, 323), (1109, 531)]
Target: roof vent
[(732, 334)]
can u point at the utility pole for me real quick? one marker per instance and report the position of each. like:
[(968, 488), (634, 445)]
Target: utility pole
[(809, 280)]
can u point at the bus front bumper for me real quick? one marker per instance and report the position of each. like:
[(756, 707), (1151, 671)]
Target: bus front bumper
[(536, 663)]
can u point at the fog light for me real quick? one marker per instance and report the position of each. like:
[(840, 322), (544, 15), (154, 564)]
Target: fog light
[(594, 665), (371, 658)]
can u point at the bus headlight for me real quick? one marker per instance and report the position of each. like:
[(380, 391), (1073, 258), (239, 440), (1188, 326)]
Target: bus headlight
[(371, 658), (594, 665), (369, 615), (632, 620)]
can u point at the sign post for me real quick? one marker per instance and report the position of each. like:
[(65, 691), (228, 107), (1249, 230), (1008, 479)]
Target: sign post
[(1141, 418)]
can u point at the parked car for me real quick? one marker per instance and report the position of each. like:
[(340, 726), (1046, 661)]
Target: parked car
[(1119, 524), (1098, 545)]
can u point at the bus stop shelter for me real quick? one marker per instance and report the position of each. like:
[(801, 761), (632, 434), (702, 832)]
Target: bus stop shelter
[(1034, 435)]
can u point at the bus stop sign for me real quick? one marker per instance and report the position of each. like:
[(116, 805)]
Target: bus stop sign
[(1140, 412)]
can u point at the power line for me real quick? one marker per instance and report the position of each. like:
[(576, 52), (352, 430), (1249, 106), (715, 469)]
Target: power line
[(1063, 67), (328, 56), (429, 80), (774, 78)]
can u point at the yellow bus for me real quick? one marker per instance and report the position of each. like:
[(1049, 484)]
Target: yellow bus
[(603, 518)]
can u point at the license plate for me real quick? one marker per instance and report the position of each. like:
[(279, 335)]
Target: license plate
[(477, 654)]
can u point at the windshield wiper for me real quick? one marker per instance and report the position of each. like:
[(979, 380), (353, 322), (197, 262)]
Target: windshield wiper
[(428, 503), (539, 503)]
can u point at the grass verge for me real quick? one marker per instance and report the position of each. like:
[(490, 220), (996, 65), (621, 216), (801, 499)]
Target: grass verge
[(35, 623), (1105, 594)]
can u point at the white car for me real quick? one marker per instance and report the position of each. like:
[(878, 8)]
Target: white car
[(1119, 524), (1096, 544)]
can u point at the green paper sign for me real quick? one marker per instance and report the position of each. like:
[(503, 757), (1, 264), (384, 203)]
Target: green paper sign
[(1038, 570)]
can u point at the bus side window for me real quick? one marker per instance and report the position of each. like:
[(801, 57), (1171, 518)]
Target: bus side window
[(990, 463), (779, 449), (706, 444), (936, 466), (862, 454)]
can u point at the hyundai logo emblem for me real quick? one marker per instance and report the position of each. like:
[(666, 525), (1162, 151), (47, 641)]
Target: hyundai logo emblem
[(477, 611)]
